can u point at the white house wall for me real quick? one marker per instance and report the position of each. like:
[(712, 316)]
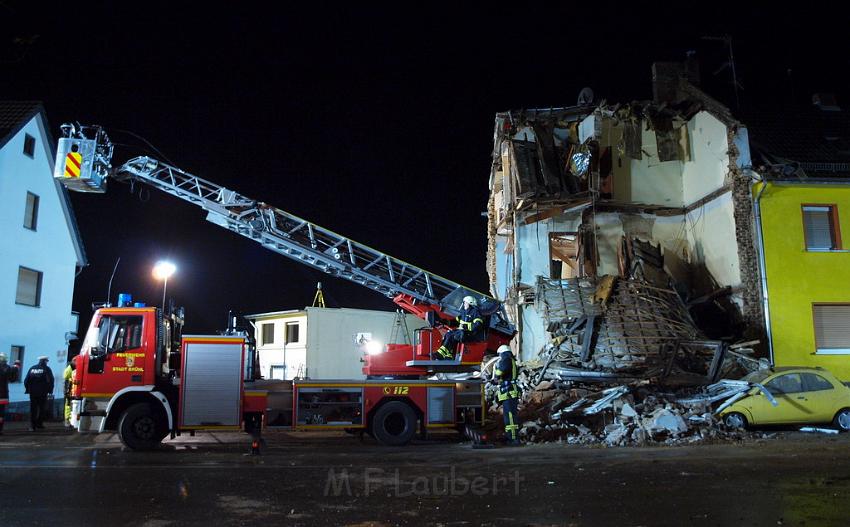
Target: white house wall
[(706, 170), (49, 249)]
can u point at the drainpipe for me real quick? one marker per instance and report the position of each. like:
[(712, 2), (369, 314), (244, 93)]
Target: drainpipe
[(763, 270)]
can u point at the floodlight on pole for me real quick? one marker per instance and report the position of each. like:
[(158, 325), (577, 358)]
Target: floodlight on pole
[(162, 271)]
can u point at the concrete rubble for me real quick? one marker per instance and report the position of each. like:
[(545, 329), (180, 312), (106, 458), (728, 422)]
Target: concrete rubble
[(640, 412)]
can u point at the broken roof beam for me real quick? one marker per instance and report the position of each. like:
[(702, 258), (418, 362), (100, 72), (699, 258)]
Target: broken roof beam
[(556, 210)]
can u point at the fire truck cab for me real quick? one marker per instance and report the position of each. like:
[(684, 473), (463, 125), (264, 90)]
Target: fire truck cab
[(139, 376)]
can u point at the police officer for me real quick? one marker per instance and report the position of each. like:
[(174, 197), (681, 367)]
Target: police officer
[(471, 330), (38, 384), (505, 374), (7, 374)]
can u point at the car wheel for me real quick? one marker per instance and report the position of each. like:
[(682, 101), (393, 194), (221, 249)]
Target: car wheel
[(842, 420), (735, 420)]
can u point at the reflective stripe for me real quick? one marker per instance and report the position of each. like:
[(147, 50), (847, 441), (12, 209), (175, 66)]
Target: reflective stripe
[(477, 320)]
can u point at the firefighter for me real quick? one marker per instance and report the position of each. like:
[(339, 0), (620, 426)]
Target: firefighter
[(471, 330), (39, 384), (68, 375), (505, 374), (7, 374)]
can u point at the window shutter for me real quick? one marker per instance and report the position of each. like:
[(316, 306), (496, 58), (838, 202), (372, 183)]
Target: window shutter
[(818, 225), (832, 327)]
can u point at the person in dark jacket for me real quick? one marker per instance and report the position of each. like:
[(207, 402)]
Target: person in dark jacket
[(7, 374), (505, 374), (471, 330), (39, 384)]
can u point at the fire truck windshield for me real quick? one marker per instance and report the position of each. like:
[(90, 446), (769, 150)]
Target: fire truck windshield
[(114, 333)]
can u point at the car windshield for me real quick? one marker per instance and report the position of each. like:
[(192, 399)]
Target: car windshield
[(758, 376)]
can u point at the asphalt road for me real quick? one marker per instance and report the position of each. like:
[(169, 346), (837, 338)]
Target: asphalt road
[(57, 478)]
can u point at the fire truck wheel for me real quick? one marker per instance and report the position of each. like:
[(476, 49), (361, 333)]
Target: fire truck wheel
[(394, 423), (140, 428)]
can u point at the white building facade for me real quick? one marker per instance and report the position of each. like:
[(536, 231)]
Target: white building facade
[(41, 251)]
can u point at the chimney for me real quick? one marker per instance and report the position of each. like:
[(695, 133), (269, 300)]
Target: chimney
[(826, 102), (665, 81)]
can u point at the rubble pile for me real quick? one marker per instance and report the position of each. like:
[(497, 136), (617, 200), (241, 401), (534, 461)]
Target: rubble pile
[(637, 414)]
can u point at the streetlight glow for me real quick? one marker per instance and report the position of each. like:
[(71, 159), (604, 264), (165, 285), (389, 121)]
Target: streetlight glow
[(163, 271)]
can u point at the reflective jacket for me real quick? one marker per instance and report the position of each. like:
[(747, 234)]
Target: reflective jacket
[(39, 379), (472, 323), (68, 375), (7, 374), (506, 372)]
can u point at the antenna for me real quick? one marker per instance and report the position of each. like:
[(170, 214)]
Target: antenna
[(727, 39), (109, 289)]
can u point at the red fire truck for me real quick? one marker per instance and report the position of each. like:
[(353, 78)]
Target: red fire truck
[(139, 375)]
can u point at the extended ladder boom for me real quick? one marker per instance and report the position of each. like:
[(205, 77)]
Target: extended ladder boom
[(83, 164)]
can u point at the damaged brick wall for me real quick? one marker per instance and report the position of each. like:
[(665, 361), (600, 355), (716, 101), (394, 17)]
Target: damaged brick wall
[(748, 257)]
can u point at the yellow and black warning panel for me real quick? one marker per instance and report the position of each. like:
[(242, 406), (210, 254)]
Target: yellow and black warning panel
[(74, 165)]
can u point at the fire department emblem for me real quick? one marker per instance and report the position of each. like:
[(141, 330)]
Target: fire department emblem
[(130, 362)]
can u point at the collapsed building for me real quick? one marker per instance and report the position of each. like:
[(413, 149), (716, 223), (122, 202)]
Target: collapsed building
[(621, 239), (653, 194)]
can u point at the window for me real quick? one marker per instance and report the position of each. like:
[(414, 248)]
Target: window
[(17, 354), (268, 334), (29, 145), (820, 226), (832, 329), (117, 333), (815, 383), (291, 332), (785, 384), (31, 211), (29, 287)]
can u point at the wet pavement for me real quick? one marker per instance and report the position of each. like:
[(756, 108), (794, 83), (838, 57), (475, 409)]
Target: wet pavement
[(59, 478)]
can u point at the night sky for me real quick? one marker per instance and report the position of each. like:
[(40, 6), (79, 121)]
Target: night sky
[(375, 123)]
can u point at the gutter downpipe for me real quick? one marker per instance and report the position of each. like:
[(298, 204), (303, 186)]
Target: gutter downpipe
[(763, 270)]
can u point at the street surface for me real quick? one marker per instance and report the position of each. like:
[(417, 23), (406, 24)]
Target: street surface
[(64, 479)]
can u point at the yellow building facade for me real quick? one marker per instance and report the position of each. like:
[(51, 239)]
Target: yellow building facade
[(807, 269)]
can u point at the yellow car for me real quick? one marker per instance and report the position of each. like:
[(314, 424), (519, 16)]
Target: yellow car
[(804, 396)]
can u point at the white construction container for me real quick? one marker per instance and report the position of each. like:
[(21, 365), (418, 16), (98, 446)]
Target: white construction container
[(325, 343)]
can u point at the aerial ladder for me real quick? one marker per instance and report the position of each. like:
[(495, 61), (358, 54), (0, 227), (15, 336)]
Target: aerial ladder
[(84, 163)]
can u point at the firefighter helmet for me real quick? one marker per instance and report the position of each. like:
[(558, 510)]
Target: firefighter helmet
[(470, 300), (504, 348)]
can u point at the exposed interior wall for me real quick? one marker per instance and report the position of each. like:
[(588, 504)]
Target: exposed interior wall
[(706, 169), (652, 181), (533, 242)]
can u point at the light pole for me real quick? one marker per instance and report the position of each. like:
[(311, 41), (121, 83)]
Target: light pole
[(162, 271)]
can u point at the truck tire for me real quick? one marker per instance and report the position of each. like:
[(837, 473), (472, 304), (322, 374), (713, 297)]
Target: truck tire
[(394, 423), (141, 428)]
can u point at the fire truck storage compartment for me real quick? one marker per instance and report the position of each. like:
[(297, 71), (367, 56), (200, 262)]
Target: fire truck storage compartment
[(329, 406), (441, 405), (469, 396), (211, 382)]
